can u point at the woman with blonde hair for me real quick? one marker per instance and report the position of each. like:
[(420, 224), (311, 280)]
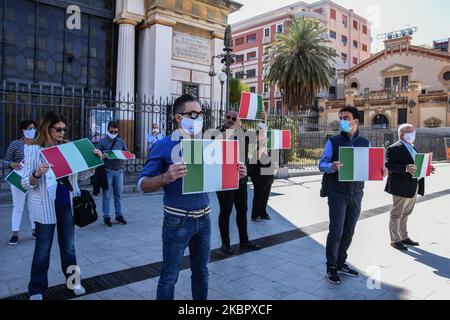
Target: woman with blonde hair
[(49, 208)]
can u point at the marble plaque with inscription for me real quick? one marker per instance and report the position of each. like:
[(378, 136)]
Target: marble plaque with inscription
[(191, 48)]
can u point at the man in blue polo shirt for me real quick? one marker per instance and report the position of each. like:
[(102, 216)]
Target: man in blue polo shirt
[(186, 217)]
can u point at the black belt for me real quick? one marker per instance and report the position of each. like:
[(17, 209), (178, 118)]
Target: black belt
[(185, 213)]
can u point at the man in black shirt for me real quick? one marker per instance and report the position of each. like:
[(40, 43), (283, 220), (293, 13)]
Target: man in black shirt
[(237, 197)]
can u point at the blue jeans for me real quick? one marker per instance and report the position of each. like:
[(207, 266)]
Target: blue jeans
[(179, 233), (115, 186), (344, 214), (44, 239)]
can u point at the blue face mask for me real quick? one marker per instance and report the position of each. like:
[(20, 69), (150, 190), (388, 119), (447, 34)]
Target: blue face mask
[(345, 126)]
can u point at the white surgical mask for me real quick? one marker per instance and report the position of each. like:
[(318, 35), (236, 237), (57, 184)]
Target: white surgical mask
[(191, 126), (410, 137), (29, 133), (112, 136)]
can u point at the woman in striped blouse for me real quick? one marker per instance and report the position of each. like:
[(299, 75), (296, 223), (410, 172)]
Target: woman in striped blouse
[(50, 208), (14, 155)]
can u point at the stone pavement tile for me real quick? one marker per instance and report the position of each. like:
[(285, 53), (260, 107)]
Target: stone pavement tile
[(120, 293), (215, 295), (4, 291), (18, 286), (143, 288), (295, 269), (228, 287), (253, 281), (254, 295), (274, 289), (269, 273), (301, 295), (228, 272)]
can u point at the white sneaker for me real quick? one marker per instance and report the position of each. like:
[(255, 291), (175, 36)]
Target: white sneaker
[(36, 297), (79, 290)]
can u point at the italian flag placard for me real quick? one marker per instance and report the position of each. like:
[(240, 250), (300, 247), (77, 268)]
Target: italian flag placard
[(251, 106), (361, 164), (14, 178), (212, 165), (72, 157), (423, 165), (120, 155), (279, 139)]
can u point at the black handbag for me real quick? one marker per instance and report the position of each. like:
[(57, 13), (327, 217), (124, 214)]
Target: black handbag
[(84, 209)]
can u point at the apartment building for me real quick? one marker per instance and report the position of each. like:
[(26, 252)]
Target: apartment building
[(349, 35)]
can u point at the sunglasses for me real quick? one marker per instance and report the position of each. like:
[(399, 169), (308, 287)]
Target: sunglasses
[(113, 132), (193, 114), (59, 130), (231, 118)]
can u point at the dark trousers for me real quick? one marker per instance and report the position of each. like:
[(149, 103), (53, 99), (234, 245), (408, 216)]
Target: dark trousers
[(226, 200), (44, 239), (261, 193), (344, 214), (178, 234)]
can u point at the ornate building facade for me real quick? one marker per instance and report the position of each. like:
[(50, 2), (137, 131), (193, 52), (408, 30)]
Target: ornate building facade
[(403, 83)]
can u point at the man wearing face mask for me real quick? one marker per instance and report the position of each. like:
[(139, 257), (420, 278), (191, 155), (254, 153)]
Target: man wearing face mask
[(237, 197), (403, 187), (154, 136), (344, 198), (186, 217), (114, 174), (14, 155)]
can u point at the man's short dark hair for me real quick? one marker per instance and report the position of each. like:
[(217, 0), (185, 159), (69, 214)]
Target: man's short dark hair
[(352, 110), (26, 123), (113, 124), (180, 102)]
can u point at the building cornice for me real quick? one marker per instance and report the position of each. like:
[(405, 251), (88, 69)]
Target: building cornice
[(410, 49)]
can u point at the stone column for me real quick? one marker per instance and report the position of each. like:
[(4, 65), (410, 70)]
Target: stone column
[(154, 76), (125, 81)]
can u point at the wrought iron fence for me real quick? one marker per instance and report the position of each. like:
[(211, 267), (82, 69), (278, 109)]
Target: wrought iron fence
[(89, 111)]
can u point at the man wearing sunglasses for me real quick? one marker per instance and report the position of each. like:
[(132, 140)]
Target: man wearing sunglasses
[(186, 217), (237, 197), (114, 175)]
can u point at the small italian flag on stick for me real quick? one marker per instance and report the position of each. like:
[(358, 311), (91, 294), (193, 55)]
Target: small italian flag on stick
[(279, 139), (120, 155), (14, 178), (212, 165), (72, 157), (251, 106), (423, 165), (361, 164)]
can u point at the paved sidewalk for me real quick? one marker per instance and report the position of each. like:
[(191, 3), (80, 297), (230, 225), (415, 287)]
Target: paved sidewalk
[(292, 269)]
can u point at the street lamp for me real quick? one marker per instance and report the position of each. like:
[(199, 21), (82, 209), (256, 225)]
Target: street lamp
[(222, 78), (227, 58)]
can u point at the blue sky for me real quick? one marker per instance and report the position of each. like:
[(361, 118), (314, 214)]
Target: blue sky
[(432, 17)]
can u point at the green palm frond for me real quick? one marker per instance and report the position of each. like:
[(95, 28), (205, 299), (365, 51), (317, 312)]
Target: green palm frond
[(300, 62)]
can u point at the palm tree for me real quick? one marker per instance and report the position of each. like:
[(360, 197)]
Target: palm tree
[(300, 63)]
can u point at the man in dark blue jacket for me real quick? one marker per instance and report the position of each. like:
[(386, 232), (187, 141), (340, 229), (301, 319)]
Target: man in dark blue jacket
[(344, 198)]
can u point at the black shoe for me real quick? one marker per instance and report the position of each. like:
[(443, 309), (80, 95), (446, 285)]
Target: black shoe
[(266, 217), (348, 271), (333, 276), (249, 245), (121, 220), (227, 250), (410, 242), (107, 222), (258, 219), (14, 240), (399, 246)]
